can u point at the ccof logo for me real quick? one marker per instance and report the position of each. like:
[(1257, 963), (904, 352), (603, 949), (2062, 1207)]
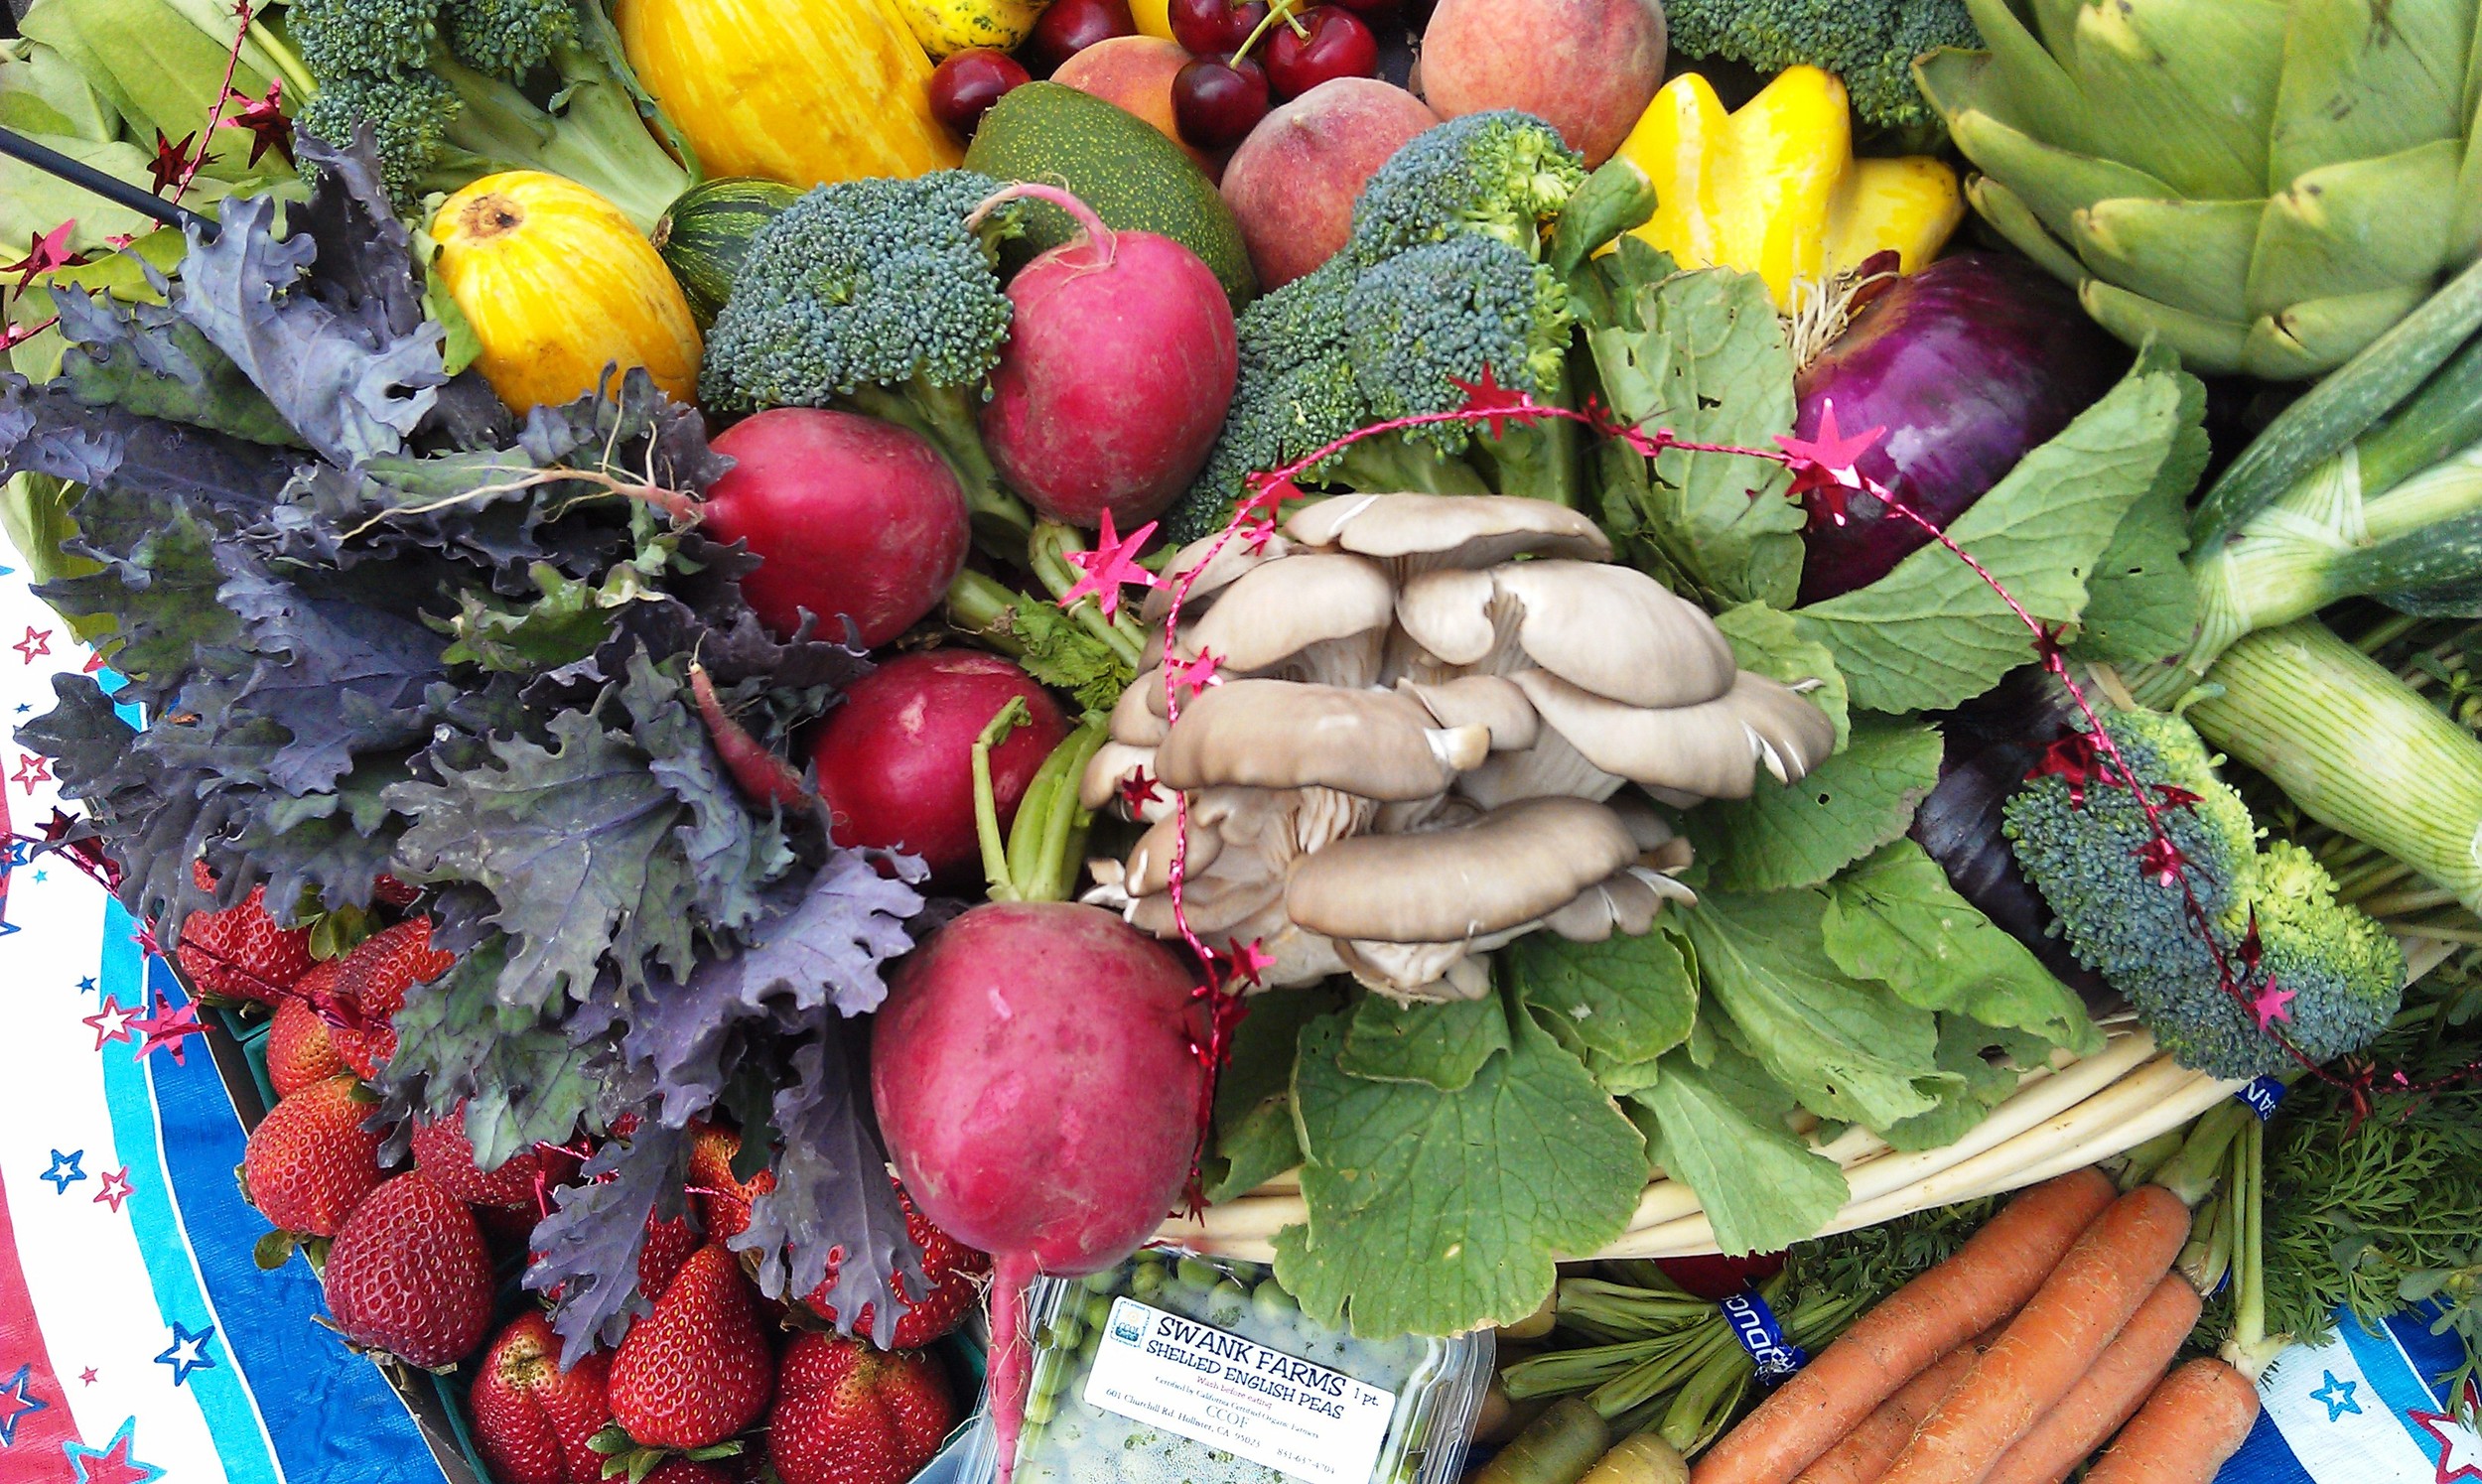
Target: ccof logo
[(1129, 1329)]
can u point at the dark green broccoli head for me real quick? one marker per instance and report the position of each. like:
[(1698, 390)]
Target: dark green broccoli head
[(1435, 315), (1872, 44), (865, 283), (2084, 854), (1295, 393), (1503, 174), (408, 113), (509, 38), (340, 37)]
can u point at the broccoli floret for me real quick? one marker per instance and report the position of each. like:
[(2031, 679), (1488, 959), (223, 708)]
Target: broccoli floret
[(1870, 44), (2084, 846), (1502, 173), (873, 294), (472, 88), (1438, 314)]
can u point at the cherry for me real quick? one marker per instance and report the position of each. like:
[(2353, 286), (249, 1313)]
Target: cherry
[(1211, 27), (963, 88), (1070, 27), (1218, 100), (1332, 43)]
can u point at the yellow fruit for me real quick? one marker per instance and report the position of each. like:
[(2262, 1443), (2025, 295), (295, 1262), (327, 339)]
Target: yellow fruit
[(558, 286), (1154, 18), (947, 27), (803, 91), (1774, 190)]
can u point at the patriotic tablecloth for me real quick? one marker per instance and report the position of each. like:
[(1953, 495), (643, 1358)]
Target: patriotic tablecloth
[(138, 1340)]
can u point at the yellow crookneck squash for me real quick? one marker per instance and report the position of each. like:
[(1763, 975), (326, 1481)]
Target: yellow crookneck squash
[(558, 285), (1774, 188), (803, 91)]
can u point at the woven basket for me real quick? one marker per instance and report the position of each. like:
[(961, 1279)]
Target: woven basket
[(2058, 1119)]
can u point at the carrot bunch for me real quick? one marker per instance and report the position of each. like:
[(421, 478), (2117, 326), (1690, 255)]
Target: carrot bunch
[(2015, 1360)]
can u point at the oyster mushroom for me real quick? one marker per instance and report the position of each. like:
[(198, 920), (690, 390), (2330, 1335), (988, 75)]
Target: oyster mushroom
[(1420, 533), (1613, 630), (1712, 751), (1280, 734), (1208, 569), (1317, 616), (1487, 700)]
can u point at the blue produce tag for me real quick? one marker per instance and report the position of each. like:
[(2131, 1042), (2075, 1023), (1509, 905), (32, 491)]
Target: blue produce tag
[(2263, 1096), (1755, 1326)]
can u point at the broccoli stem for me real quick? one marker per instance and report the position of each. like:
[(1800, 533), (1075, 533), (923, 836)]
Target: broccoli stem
[(1543, 462), (2353, 747), (1393, 462)]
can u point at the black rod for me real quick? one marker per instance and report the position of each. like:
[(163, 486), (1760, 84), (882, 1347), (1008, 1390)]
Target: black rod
[(118, 191)]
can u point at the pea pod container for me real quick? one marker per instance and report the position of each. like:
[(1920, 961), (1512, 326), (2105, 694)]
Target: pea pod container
[(1178, 1369)]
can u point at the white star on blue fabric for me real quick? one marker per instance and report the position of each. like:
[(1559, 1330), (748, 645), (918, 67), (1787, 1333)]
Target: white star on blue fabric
[(188, 1352), (15, 1403), (63, 1171), (2337, 1397)]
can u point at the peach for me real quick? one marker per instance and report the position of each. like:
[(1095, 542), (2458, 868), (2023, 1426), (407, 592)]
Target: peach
[(1588, 66), (1136, 73), (1293, 183)]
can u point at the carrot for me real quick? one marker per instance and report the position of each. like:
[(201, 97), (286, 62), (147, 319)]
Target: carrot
[(2130, 1366), (1987, 1278), (2198, 1417), (1866, 1451), (2052, 1343)]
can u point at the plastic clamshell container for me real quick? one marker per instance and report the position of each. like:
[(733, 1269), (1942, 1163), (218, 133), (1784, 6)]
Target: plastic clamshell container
[(1136, 1367)]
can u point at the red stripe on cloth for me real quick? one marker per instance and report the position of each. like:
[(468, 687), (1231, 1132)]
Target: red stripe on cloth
[(38, 1449)]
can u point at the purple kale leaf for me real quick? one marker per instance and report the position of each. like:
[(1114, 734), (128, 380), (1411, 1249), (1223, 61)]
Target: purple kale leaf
[(144, 359), (523, 1079), (156, 579), (834, 1200), (589, 1247), (45, 430)]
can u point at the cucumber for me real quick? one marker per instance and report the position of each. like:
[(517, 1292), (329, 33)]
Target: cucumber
[(1123, 167), (705, 234)]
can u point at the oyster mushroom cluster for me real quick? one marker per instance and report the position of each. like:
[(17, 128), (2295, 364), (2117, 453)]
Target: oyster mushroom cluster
[(1425, 718)]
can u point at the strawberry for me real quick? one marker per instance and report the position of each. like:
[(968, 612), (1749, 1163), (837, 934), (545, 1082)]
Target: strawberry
[(697, 1370), (668, 1246), (531, 1419), (310, 1161), (847, 1413), (722, 1201), (299, 1051), (373, 979), (955, 1272), (686, 1472), (442, 1152), (409, 1273), (388, 891), (241, 951)]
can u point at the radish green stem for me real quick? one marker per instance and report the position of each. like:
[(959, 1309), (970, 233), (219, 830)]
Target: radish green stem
[(1049, 832), (2149, 1155), (2194, 1173), (986, 804), (1048, 551)]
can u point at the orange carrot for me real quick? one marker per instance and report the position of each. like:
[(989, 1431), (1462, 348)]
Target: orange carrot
[(1987, 1278), (1866, 1451), (2198, 1417), (2130, 1366), (2052, 1343)]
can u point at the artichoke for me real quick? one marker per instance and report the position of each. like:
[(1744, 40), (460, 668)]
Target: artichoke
[(2264, 184)]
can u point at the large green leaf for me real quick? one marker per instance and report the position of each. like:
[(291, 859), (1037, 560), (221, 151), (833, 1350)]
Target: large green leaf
[(1846, 1048), (1932, 632), (1896, 919), (1254, 1138), (1800, 834), (1437, 1212), (1983, 1084), (1720, 1130), (1618, 1004), (1767, 641), (1440, 1046)]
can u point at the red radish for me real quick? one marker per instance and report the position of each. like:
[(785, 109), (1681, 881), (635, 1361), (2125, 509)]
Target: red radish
[(760, 775), (1119, 365), (854, 517), (897, 760), (1717, 1278), (965, 85), (1033, 1074)]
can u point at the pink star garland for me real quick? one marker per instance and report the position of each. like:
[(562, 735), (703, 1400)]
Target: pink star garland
[(2271, 1003), (1190, 676), (1110, 567), (1826, 464)]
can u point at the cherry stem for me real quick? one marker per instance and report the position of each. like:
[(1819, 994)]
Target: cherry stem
[(1279, 10)]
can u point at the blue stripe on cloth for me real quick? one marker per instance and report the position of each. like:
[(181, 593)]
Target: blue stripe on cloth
[(284, 1380), (2390, 1375), (2265, 1459)]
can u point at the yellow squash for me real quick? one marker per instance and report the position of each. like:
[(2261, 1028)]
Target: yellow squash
[(558, 285), (947, 27), (1774, 190), (803, 91)]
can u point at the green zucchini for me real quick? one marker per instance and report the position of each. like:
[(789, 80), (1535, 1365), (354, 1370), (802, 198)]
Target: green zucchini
[(705, 234)]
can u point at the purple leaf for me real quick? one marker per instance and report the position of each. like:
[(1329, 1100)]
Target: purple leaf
[(589, 1247)]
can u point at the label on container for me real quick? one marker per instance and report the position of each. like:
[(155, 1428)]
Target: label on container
[(2263, 1096), (1755, 1326), (1214, 1387)]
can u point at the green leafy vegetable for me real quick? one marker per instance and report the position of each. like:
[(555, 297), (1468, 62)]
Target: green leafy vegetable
[(1720, 1130), (1619, 1003), (2143, 605), (1768, 641), (1440, 1045), (1254, 1138), (1803, 833)]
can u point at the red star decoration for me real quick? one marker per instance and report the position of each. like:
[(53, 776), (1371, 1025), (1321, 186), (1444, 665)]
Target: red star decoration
[(118, 240), (1187, 677), (38, 642), (43, 254), (2048, 644), (2249, 948), (172, 166), (168, 1029), (110, 1023), (1500, 405), (32, 768), (2449, 1434), (264, 118), (87, 1375), (1249, 960), (2271, 1003), (2173, 796), (2072, 760), (1139, 790), (2161, 860), (116, 1188), (1826, 465), (1110, 567)]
